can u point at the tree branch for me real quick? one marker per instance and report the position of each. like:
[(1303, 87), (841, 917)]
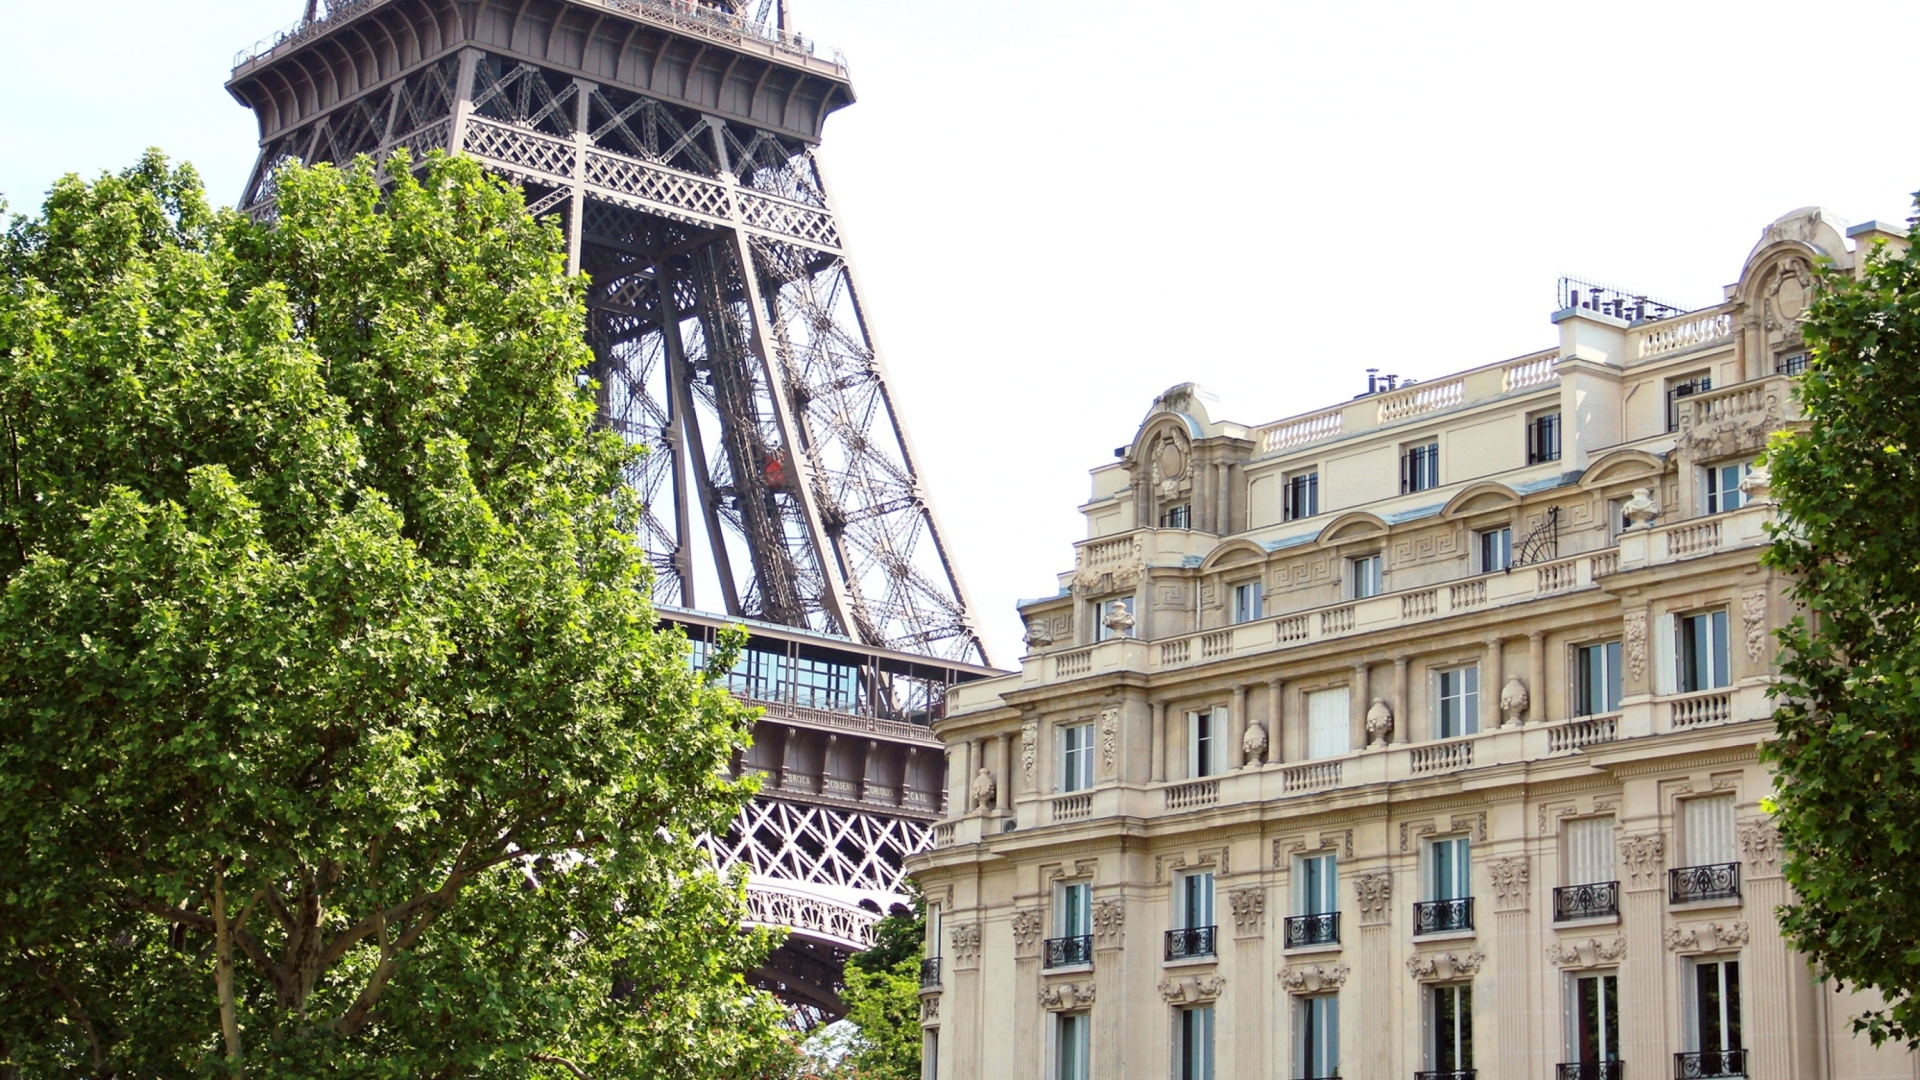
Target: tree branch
[(549, 1059)]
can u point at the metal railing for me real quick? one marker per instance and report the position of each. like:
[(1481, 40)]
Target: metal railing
[(1189, 943), (1442, 916), (1596, 900), (1445, 1074), (1068, 951), (1716, 881), (929, 972), (1590, 1070), (1304, 930), (1702, 1064)]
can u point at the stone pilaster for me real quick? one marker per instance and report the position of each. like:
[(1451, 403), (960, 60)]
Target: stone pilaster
[(1643, 997), (1512, 965)]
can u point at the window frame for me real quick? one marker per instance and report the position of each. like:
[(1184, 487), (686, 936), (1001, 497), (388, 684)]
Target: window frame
[(1606, 983), (1073, 908), (1345, 725), (1611, 685), (1206, 733), (1071, 779), (1543, 428), (1376, 581), (1243, 612), (1718, 672), (1454, 1000), (1298, 487), (1081, 1035), (1716, 496), (1184, 917), (1194, 1042), (1316, 879), (1697, 382), (1503, 535), (1466, 700), (1178, 516), (1728, 1022), (1420, 465), (1451, 872), (1316, 1034)]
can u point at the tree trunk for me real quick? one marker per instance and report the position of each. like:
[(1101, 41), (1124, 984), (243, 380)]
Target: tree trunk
[(223, 974)]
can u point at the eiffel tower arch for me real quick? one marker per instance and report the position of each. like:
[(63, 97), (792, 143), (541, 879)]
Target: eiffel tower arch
[(674, 141)]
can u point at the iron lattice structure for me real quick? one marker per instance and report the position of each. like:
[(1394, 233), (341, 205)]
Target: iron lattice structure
[(674, 142)]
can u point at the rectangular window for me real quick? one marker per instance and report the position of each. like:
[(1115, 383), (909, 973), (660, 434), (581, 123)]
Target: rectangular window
[(1715, 1030), (1193, 905), (1597, 683), (1317, 1037), (1449, 869), (1319, 879), (1329, 727), (1587, 851), (1420, 468), (1543, 438), (1706, 830), (1593, 1018), (1451, 1011), (1196, 1043), (1205, 731), (1076, 757), (930, 1055), (1703, 651), (1247, 602), (1300, 497), (1072, 1040), (1496, 550), (1681, 389), (1121, 618), (936, 926), (1177, 517), (1723, 487), (1364, 576), (1791, 364), (1459, 702), (1073, 910)]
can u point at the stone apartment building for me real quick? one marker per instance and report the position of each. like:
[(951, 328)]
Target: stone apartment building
[(1412, 737)]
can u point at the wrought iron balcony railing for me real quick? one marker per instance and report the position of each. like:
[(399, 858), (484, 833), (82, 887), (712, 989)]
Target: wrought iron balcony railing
[(1591, 1070), (1707, 1064), (1304, 930), (1445, 1074), (1068, 951), (1592, 901), (1718, 881), (929, 972), (1440, 916), (1190, 942)]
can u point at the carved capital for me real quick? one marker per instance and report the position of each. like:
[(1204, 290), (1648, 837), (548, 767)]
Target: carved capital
[(965, 946), (1375, 892), (1026, 932), (1760, 843), (1109, 923), (1644, 856), (930, 1008), (1510, 883), (1249, 911)]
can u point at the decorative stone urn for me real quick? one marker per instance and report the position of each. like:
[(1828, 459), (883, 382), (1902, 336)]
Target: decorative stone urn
[(1379, 723), (1513, 701)]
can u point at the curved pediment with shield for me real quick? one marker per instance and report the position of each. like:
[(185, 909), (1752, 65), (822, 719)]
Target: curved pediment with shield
[(1348, 527)]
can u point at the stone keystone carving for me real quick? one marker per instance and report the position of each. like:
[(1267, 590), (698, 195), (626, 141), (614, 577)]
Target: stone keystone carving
[(1375, 892), (1707, 937), (1109, 923), (1440, 967), (966, 945), (1513, 700), (983, 789), (1589, 953), (1029, 736), (1193, 988), (1379, 722), (1249, 911), (1645, 856), (1253, 745), (1067, 995), (1510, 881), (1641, 509), (1026, 931), (1313, 978)]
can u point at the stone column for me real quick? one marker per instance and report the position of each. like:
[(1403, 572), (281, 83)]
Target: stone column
[(1357, 704), (1491, 679), (1643, 999), (1366, 1040), (1276, 726), (1402, 723), (1159, 741), (1003, 774), (1513, 960), (1236, 727), (1029, 1034), (1783, 997), (1537, 676)]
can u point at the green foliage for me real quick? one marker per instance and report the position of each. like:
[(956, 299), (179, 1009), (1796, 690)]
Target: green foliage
[(1848, 755), (882, 997), (336, 738)]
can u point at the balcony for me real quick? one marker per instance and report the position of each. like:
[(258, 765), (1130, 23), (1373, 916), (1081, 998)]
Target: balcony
[(1590, 1070), (1068, 951), (1691, 884), (1594, 901), (1190, 943), (1450, 1074), (1443, 916), (1302, 931), (929, 973), (1704, 1064)]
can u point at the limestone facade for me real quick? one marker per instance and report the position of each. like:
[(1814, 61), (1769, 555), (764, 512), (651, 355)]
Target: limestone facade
[(1414, 735)]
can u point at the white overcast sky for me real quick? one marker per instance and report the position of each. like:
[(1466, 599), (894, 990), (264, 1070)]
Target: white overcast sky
[(1060, 209)]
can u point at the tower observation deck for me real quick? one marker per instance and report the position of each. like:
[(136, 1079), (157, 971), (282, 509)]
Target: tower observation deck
[(673, 141)]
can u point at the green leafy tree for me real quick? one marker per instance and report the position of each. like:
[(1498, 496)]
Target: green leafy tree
[(882, 997), (1847, 789), (336, 736)]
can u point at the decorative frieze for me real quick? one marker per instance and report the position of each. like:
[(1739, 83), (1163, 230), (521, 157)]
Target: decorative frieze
[(1066, 995), (1109, 923), (1644, 857), (1707, 937), (1510, 883), (1375, 893), (1109, 737), (1585, 954), (1445, 966), (1313, 978), (1249, 907), (1026, 931), (1192, 989)]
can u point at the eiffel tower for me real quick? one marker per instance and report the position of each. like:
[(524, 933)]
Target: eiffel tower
[(674, 142)]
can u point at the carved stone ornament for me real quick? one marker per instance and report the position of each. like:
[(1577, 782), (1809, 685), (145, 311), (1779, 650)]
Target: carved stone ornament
[(1787, 299), (1192, 989), (1513, 700), (983, 789), (1109, 736), (1249, 911), (1109, 923), (1641, 509), (1757, 486), (1445, 966), (1029, 738), (1636, 644), (1066, 995), (1379, 722), (1760, 841), (1753, 618), (1313, 978), (929, 1008), (1102, 566), (1253, 745), (1117, 618), (1510, 882), (966, 945), (1644, 856), (1707, 937), (1038, 635), (1585, 954), (1026, 931), (1375, 893)]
